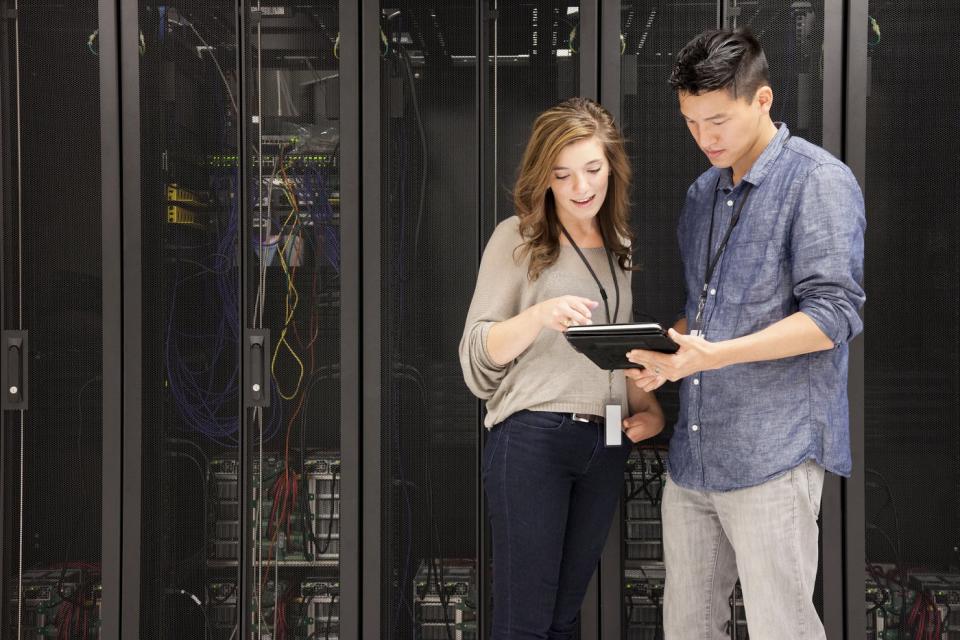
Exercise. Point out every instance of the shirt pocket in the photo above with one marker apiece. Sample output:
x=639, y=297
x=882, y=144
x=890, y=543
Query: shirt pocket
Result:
x=752, y=271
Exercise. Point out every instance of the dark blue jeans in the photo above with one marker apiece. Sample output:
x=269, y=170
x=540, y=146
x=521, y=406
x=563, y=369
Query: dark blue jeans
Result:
x=552, y=489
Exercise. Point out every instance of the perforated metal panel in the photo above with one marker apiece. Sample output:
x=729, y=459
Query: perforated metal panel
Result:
x=536, y=66
x=912, y=315
x=429, y=223
x=191, y=319
x=293, y=286
x=52, y=288
x=791, y=33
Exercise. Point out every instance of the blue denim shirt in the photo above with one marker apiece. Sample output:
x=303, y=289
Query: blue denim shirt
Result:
x=798, y=246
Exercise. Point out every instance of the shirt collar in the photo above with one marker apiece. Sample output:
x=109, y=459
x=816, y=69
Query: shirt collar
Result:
x=761, y=167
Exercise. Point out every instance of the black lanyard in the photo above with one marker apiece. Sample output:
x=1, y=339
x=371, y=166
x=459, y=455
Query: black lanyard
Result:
x=613, y=273
x=712, y=262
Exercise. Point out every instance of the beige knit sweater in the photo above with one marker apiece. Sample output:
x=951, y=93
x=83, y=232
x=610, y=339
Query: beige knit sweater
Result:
x=549, y=375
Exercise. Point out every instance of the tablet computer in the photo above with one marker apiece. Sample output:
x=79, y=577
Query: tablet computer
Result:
x=607, y=344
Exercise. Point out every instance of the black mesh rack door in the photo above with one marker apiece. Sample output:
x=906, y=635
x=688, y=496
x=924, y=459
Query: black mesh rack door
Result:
x=52, y=308
x=428, y=239
x=294, y=470
x=189, y=234
x=912, y=323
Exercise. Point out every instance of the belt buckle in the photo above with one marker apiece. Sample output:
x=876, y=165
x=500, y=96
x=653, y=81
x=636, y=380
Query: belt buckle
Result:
x=581, y=417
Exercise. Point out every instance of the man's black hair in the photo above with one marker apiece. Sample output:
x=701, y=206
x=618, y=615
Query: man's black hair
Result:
x=730, y=59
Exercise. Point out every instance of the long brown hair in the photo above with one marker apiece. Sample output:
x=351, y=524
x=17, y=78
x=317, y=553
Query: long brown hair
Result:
x=570, y=121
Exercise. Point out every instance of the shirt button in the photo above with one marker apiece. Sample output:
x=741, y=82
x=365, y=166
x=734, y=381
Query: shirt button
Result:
x=713, y=292
x=729, y=203
x=695, y=427
x=696, y=382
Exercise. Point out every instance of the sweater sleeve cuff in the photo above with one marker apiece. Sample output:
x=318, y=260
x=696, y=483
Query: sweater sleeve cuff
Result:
x=480, y=352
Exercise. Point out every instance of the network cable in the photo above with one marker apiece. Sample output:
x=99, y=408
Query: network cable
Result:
x=176, y=18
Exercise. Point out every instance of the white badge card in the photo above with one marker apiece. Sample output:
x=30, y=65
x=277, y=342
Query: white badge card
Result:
x=614, y=423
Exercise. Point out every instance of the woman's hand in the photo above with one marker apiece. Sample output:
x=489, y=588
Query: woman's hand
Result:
x=506, y=340
x=565, y=311
x=644, y=424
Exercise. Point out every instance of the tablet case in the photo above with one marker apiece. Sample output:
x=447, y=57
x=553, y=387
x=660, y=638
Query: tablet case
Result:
x=607, y=344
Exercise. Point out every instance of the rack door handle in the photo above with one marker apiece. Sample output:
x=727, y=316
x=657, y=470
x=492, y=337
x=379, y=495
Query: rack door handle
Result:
x=15, y=355
x=256, y=389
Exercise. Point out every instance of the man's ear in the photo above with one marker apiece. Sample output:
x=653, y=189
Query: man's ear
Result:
x=765, y=98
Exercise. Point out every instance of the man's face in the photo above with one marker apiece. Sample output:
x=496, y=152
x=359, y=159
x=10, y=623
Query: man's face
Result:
x=724, y=128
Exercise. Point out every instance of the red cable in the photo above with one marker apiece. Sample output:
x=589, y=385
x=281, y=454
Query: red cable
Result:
x=914, y=612
x=914, y=619
x=296, y=494
x=937, y=620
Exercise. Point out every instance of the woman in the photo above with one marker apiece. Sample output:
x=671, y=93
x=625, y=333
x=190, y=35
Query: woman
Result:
x=552, y=485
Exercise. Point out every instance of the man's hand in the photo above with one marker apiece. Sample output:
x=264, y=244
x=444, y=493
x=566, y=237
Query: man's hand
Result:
x=644, y=424
x=695, y=355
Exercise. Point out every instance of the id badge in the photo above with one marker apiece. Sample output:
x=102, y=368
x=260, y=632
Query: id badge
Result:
x=697, y=328
x=613, y=425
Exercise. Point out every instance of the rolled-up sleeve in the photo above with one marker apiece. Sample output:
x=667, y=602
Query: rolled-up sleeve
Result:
x=495, y=298
x=827, y=251
x=481, y=374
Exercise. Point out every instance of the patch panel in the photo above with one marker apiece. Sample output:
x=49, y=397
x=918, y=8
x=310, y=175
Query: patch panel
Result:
x=643, y=599
x=310, y=534
x=319, y=600
x=57, y=603
x=644, y=478
x=445, y=606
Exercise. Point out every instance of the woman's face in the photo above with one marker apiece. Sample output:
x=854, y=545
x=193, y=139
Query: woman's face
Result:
x=579, y=180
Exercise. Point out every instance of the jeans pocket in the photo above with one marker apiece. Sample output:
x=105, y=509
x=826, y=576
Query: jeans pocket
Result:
x=490, y=448
x=542, y=420
x=814, y=476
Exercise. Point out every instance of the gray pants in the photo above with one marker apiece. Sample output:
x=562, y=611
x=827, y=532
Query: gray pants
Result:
x=766, y=535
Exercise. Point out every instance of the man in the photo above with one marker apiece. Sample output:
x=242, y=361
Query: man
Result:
x=772, y=243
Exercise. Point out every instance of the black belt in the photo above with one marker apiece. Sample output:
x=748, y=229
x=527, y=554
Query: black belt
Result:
x=587, y=417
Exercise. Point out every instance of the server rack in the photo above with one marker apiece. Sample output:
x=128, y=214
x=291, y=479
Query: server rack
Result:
x=244, y=228
x=910, y=379
x=58, y=218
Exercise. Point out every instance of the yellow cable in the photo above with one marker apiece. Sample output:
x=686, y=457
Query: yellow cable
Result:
x=292, y=298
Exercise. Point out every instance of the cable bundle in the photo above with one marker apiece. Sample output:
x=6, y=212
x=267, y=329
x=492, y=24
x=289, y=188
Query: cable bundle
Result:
x=925, y=619
x=73, y=615
x=650, y=485
x=207, y=404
